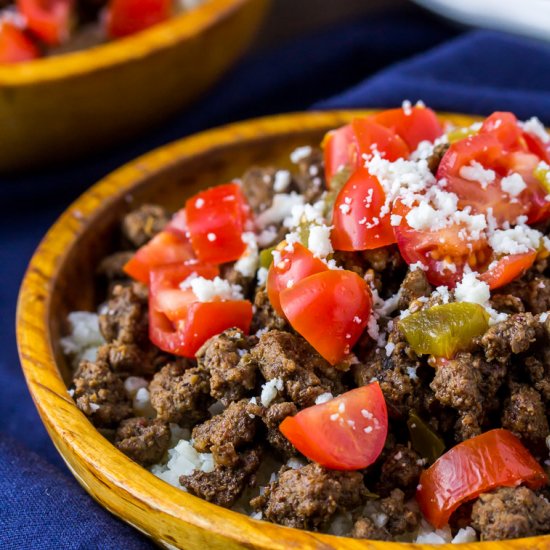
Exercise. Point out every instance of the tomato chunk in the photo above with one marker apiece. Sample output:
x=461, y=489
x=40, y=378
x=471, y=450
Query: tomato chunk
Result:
x=357, y=215
x=478, y=465
x=413, y=125
x=49, y=20
x=346, y=433
x=178, y=322
x=330, y=310
x=508, y=268
x=293, y=266
x=339, y=151
x=125, y=17
x=216, y=219
x=15, y=45
x=167, y=247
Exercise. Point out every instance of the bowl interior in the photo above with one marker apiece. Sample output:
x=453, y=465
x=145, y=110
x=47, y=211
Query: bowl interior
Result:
x=60, y=279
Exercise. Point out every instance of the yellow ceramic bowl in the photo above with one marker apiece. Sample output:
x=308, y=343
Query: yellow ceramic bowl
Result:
x=56, y=108
x=60, y=279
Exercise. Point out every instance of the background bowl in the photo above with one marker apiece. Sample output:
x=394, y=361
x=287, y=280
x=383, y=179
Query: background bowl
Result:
x=60, y=279
x=60, y=107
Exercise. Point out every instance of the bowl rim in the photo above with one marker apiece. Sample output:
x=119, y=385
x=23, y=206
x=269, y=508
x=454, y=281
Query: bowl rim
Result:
x=71, y=428
x=161, y=36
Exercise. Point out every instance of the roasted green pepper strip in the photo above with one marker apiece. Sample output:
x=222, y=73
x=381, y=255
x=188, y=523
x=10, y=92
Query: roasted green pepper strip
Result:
x=460, y=133
x=266, y=257
x=542, y=173
x=444, y=330
x=424, y=440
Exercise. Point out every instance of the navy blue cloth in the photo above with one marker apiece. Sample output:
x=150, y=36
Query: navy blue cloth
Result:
x=374, y=62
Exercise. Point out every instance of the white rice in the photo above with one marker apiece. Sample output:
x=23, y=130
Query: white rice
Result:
x=84, y=338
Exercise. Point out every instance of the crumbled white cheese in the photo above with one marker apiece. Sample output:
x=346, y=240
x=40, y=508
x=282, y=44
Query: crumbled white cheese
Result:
x=269, y=391
x=395, y=220
x=475, y=172
x=323, y=398
x=471, y=289
x=261, y=276
x=418, y=265
x=390, y=346
x=513, y=184
x=465, y=534
x=248, y=262
x=543, y=317
x=282, y=181
x=207, y=290
x=535, y=127
x=407, y=107
x=280, y=208
x=516, y=240
x=267, y=237
x=319, y=241
x=300, y=153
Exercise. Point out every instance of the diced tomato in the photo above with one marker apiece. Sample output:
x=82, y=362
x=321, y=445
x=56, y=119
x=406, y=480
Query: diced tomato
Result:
x=180, y=324
x=372, y=136
x=357, y=216
x=435, y=248
x=15, y=45
x=167, y=247
x=346, y=433
x=330, y=310
x=537, y=147
x=413, y=125
x=478, y=465
x=293, y=266
x=178, y=223
x=49, y=20
x=508, y=268
x=216, y=220
x=125, y=17
x=339, y=151
x=346, y=146
x=504, y=126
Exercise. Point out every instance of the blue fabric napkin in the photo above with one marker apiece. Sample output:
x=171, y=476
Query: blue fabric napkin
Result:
x=374, y=62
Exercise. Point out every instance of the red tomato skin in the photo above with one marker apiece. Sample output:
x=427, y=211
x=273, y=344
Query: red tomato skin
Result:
x=215, y=221
x=339, y=150
x=203, y=320
x=348, y=233
x=178, y=223
x=504, y=126
x=370, y=135
x=15, y=46
x=420, y=125
x=49, y=20
x=508, y=268
x=126, y=17
x=478, y=465
x=537, y=147
x=293, y=266
x=330, y=310
x=336, y=444
x=167, y=247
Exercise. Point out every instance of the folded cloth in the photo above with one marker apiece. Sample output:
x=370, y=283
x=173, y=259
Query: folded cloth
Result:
x=42, y=506
x=478, y=72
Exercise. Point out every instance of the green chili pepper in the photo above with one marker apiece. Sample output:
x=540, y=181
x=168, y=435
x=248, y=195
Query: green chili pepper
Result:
x=266, y=257
x=424, y=440
x=460, y=133
x=542, y=173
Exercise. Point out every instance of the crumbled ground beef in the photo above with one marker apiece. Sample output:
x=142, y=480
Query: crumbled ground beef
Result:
x=308, y=497
x=305, y=374
x=401, y=519
x=257, y=186
x=538, y=370
x=401, y=470
x=226, y=358
x=143, y=440
x=507, y=303
x=435, y=158
x=272, y=418
x=514, y=335
x=310, y=181
x=131, y=359
x=366, y=528
x=509, y=513
x=225, y=484
x=414, y=286
x=534, y=293
x=111, y=267
x=141, y=225
x=180, y=394
x=100, y=394
x=265, y=316
x=125, y=319
x=524, y=414
x=227, y=432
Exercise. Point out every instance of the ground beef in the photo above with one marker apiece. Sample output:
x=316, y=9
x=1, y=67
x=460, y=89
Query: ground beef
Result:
x=257, y=186
x=401, y=519
x=126, y=318
x=507, y=303
x=305, y=374
x=141, y=225
x=509, y=513
x=538, y=370
x=365, y=528
x=435, y=158
x=100, y=394
x=224, y=434
x=235, y=277
x=514, y=335
x=534, y=293
x=131, y=359
x=144, y=441
x=226, y=358
x=525, y=414
x=224, y=485
x=265, y=316
x=414, y=285
x=310, y=180
x=272, y=418
x=400, y=470
x=180, y=394
x=308, y=497
x=111, y=266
